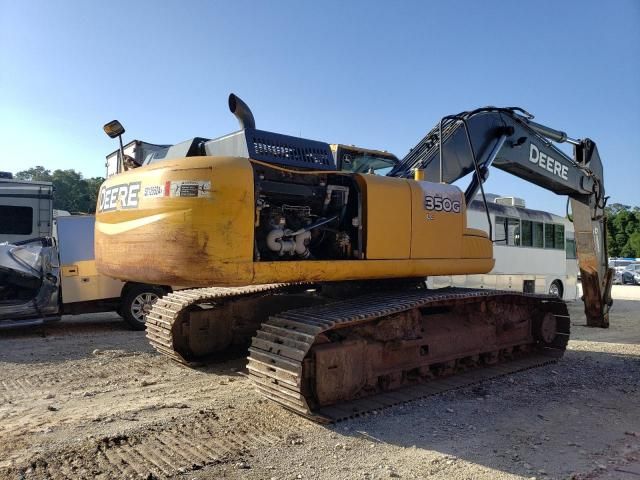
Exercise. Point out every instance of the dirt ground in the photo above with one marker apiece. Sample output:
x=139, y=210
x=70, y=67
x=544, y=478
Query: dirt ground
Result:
x=87, y=398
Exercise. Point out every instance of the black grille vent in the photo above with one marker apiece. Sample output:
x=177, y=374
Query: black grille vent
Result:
x=274, y=148
x=289, y=151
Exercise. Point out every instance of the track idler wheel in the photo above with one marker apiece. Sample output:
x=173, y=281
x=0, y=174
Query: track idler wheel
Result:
x=544, y=329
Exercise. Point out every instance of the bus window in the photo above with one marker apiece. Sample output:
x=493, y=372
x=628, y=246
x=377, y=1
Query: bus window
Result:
x=500, y=231
x=548, y=235
x=558, y=242
x=507, y=231
x=538, y=235
x=513, y=229
x=571, y=248
x=527, y=233
x=554, y=236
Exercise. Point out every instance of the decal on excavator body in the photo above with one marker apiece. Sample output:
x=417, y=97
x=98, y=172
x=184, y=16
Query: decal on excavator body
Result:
x=127, y=195
x=119, y=196
x=441, y=198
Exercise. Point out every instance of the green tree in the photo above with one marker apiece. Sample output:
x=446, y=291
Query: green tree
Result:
x=35, y=174
x=93, y=187
x=71, y=191
x=623, y=230
x=620, y=241
x=614, y=208
x=632, y=225
x=611, y=244
x=634, y=244
x=612, y=231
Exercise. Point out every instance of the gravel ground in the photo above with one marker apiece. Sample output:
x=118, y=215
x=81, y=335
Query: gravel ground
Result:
x=86, y=398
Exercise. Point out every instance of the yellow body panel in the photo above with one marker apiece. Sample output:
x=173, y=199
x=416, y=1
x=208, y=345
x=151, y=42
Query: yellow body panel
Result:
x=436, y=234
x=336, y=270
x=387, y=221
x=181, y=240
x=205, y=235
x=476, y=246
x=81, y=282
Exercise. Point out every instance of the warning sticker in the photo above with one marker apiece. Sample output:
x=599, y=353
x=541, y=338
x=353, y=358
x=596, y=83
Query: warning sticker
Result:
x=188, y=188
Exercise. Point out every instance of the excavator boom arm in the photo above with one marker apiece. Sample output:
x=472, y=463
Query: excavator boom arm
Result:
x=508, y=139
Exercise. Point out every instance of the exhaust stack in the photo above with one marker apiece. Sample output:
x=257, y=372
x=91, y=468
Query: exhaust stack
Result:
x=242, y=112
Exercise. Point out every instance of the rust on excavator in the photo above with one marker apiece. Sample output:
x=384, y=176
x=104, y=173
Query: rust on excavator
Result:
x=371, y=351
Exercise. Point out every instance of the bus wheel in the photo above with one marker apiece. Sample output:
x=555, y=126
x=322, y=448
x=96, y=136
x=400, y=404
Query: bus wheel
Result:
x=555, y=288
x=137, y=302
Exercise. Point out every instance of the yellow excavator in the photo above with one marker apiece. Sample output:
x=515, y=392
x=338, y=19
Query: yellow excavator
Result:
x=315, y=256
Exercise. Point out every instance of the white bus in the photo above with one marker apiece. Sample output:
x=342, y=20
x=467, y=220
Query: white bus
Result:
x=534, y=250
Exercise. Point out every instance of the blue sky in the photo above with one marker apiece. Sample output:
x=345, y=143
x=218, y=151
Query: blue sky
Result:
x=375, y=74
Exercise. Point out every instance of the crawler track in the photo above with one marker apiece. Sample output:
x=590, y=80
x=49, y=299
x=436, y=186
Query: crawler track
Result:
x=168, y=323
x=282, y=355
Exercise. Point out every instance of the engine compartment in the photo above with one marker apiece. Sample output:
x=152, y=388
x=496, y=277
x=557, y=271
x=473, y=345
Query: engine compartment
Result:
x=306, y=216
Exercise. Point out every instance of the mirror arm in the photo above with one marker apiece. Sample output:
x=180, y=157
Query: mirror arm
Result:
x=121, y=159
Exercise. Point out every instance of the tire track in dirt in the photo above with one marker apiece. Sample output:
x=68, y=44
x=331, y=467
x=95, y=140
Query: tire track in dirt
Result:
x=51, y=377
x=112, y=368
x=154, y=452
x=11, y=389
x=122, y=403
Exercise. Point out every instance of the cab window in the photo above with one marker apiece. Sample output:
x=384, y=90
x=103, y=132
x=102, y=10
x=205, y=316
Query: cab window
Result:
x=366, y=163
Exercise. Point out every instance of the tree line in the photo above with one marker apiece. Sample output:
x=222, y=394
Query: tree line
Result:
x=623, y=230
x=73, y=192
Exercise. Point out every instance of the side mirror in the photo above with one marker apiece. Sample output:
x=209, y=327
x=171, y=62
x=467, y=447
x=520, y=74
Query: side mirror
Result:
x=114, y=129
